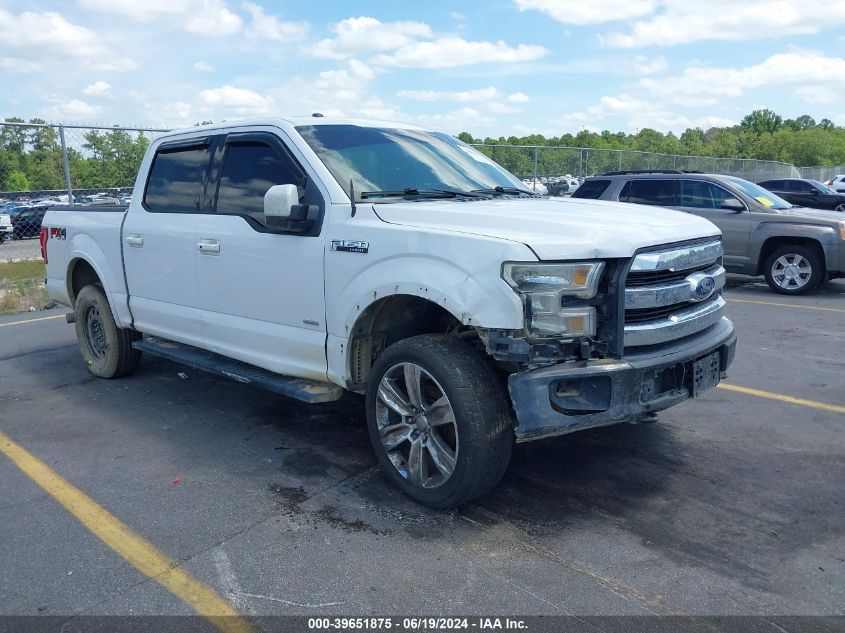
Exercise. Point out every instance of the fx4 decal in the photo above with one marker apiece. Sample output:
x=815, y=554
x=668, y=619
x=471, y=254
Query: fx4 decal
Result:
x=57, y=233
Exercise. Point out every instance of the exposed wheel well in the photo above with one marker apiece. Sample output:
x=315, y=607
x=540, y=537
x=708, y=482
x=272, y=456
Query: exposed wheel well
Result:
x=773, y=243
x=82, y=274
x=392, y=319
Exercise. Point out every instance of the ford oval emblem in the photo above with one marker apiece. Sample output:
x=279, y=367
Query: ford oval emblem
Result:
x=704, y=288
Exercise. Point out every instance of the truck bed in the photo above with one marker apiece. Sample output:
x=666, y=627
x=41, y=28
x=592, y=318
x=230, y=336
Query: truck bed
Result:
x=90, y=233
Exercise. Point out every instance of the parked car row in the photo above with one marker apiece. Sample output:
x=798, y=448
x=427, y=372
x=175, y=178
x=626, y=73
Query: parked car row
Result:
x=21, y=218
x=553, y=185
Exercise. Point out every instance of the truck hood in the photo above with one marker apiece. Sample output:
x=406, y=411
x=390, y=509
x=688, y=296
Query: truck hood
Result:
x=555, y=229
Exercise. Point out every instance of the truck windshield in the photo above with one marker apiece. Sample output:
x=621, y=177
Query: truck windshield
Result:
x=763, y=196
x=393, y=160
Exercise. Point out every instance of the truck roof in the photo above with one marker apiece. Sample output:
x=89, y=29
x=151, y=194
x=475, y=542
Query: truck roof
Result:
x=293, y=121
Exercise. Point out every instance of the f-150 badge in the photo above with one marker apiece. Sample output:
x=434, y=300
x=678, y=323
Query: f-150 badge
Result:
x=350, y=246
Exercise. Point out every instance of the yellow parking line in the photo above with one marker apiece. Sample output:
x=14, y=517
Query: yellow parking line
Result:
x=785, y=305
x=824, y=406
x=140, y=553
x=57, y=316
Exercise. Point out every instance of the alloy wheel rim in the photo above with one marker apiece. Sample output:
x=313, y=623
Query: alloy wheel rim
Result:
x=416, y=425
x=791, y=271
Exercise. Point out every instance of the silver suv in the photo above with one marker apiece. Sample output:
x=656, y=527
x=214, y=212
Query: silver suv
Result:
x=795, y=248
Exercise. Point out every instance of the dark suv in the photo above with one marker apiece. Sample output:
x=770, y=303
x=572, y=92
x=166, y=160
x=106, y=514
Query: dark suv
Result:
x=806, y=193
x=795, y=248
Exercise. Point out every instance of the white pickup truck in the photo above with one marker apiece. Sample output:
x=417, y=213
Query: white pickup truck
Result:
x=312, y=255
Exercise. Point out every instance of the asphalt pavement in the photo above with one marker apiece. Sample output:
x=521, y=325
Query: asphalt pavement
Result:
x=731, y=504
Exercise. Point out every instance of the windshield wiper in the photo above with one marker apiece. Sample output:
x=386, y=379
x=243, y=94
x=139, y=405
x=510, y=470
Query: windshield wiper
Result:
x=418, y=193
x=505, y=190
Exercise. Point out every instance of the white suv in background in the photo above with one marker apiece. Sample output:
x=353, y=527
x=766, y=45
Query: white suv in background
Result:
x=837, y=183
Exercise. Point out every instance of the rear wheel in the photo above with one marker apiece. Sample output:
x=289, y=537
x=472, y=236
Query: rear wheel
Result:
x=439, y=420
x=840, y=207
x=106, y=348
x=793, y=270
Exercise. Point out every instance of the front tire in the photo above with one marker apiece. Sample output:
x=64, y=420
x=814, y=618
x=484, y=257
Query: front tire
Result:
x=106, y=348
x=439, y=420
x=793, y=270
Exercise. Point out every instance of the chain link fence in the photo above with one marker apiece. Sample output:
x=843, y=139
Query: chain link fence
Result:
x=44, y=165
x=822, y=173
x=544, y=164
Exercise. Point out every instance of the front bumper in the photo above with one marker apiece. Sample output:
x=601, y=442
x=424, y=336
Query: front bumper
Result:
x=573, y=396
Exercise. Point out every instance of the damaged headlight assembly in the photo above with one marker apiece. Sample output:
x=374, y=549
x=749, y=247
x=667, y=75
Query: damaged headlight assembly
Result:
x=543, y=287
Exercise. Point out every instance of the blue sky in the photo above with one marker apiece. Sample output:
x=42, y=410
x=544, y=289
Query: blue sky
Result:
x=492, y=68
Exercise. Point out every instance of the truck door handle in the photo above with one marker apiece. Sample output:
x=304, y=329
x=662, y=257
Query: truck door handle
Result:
x=209, y=247
x=135, y=240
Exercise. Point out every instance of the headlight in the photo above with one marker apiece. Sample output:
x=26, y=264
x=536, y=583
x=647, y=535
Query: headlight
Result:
x=543, y=287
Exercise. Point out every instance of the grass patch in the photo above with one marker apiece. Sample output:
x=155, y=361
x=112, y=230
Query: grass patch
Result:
x=30, y=269
x=22, y=286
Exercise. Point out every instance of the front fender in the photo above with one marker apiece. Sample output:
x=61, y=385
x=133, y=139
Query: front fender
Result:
x=454, y=288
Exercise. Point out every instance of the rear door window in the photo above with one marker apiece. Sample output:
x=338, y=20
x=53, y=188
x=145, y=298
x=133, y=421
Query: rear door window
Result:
x=176, y=180
x=700, y=194
x=661, y=193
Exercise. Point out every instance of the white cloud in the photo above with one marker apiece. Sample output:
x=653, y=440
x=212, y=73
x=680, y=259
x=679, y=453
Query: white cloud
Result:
x=480, y=94
x=682, y=21
x=502, y=108
x=354, y=36
x=581, y=13
x=204, y=67
x=491, y=98
x=642, y=65
x=455, y=15
x=42, y=39
x=97, y=89
x=73, y=110
x=809, y=73
x=203, y=17
x=269, y=27
x=635, y=113
x=227, y=102
x=449, y=52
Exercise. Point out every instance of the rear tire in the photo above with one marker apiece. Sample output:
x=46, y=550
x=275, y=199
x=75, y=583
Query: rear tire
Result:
x=106, y=348
x=449, y=440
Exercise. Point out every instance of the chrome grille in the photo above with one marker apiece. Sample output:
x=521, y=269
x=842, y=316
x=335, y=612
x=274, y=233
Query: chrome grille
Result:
x=673, y=293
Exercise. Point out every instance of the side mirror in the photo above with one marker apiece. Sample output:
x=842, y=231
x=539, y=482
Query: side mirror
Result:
x=279, y=200
x=733, y=204
x=814, y=192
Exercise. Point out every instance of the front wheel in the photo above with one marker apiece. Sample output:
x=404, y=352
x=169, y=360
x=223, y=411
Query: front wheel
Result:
x=439, y=420
x=793, y=270
x=106, y=348
x=840, y=207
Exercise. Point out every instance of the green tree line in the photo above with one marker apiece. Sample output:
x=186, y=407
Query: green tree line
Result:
x=762, y=135
x=31, y=157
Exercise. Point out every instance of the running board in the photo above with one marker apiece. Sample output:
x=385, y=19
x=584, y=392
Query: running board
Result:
x=299, y=388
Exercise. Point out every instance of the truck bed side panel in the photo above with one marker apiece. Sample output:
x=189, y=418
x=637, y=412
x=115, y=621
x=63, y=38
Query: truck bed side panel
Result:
x=91, y=234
